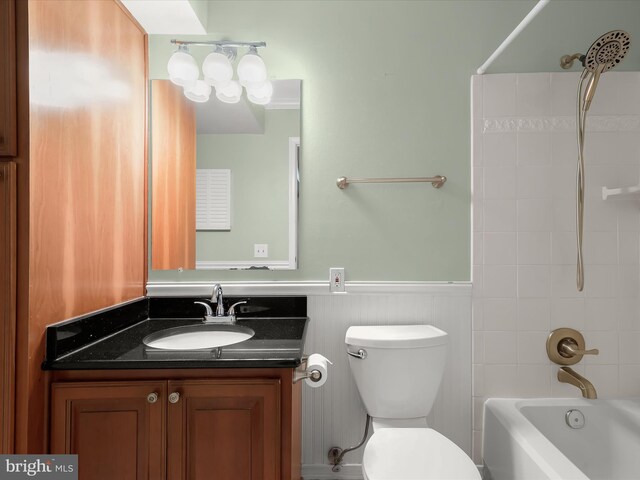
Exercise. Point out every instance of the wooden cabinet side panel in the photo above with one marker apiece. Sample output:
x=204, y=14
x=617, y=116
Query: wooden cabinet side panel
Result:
x=291, y=427
x=84, y=185
x=8, y=238
x=8, y=113
x=87, y=158
x=173, y=178
x=112, y=427
x=238, y=421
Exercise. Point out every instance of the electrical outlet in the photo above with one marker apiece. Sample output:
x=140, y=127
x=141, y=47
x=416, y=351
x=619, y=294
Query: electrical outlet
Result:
x=336, y=279
x=260, y=250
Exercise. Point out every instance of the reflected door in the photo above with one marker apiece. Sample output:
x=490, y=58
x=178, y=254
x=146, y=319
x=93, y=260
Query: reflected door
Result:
x=173, y=178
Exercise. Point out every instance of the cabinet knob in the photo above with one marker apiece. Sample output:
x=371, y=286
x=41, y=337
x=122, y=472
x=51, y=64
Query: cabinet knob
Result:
x=152, y=397
x=174, y=397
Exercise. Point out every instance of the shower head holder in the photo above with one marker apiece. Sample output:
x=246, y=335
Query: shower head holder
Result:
x=566, y=61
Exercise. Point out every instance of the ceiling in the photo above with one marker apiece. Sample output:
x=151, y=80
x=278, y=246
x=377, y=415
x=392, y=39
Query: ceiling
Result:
x=170, y=17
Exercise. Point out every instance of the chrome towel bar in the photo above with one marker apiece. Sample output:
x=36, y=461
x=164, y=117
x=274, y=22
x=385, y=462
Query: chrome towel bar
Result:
x=436, y=182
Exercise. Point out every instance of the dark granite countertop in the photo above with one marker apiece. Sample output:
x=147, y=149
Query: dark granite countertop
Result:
x=112, y=339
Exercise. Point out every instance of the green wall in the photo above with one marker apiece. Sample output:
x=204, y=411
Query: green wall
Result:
x=259, y=165
x=386, y=93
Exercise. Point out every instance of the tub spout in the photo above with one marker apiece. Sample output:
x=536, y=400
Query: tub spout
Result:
x=569, y=375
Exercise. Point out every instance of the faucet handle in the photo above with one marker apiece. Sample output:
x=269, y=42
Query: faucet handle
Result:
x=566, y=346
x=232, y=308
x=208, y=310
x=570, y=348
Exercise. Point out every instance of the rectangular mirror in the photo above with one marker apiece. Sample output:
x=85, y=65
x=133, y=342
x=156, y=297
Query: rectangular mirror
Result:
x=224, y=180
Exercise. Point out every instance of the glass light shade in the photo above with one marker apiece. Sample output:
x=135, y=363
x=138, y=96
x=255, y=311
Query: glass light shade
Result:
x=217, y=68
x=199, y=91
x=229, y=93
x=251, y=68
x=182, y=68
x=260, y=94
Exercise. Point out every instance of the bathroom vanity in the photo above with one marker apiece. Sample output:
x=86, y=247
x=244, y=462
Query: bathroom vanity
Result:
x=130, y=411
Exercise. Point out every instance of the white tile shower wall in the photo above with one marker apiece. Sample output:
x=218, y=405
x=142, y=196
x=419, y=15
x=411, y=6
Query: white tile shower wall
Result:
x=524, y=159
x=333, y=415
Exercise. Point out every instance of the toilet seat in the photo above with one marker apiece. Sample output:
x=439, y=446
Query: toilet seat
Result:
x=415, y=454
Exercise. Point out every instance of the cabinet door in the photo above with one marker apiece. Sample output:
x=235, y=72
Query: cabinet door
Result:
x=224, y=430
x=8, y=116
x=115, y=428
x=7, y=303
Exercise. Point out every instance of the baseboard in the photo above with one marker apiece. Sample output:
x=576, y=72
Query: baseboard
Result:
x=347, y=472
x=323, y=472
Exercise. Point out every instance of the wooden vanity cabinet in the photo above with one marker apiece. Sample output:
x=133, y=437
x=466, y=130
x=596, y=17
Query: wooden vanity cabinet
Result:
x=227, y=430
x=113, y=427
x=8, y=116
x=224, y=428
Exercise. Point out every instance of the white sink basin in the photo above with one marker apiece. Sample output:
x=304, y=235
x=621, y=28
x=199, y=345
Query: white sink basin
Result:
x=198, y=337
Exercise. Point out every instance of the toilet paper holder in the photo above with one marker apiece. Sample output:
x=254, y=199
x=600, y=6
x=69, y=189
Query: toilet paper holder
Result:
x=301, y=372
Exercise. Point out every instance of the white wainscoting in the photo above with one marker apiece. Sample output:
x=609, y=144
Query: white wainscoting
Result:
x=333, y=415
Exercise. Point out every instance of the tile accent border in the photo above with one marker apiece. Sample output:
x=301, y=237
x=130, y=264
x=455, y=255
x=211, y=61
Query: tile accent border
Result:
x=596, y=123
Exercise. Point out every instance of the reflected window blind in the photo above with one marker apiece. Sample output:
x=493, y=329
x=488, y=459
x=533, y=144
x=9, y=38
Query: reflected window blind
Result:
x=213, y=199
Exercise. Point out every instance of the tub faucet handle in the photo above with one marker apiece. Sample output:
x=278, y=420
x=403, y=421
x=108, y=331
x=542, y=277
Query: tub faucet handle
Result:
x=570, y=348
x=566, y=346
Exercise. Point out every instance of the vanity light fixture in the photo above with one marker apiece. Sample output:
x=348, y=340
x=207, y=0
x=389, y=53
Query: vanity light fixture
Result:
x=182, y=67
x=198, y=91
x=217, y=71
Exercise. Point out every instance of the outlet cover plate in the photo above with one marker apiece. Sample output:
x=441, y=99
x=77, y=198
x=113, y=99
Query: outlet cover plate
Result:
x=260, y=250
x=336, y=279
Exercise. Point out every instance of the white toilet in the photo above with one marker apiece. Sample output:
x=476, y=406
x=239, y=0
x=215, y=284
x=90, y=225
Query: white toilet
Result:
x=398, y=370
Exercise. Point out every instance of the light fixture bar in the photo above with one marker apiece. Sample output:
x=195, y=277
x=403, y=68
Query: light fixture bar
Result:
x=222, y=43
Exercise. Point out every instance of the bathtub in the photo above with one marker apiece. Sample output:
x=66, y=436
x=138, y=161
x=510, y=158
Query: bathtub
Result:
x=529, y=439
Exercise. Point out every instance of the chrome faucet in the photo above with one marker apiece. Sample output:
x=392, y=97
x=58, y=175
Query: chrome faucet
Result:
x=569, y=375
x=220, y=316
x=216, y=297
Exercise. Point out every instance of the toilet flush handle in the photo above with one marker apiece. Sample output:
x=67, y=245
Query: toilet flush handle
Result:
x=361, y=354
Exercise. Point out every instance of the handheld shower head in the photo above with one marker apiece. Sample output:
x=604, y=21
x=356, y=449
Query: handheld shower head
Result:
x=608, y=50
x=605, y=53
x=590, y=91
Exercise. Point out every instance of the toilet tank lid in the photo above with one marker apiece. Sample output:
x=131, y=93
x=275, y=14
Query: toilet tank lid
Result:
x=395, y=336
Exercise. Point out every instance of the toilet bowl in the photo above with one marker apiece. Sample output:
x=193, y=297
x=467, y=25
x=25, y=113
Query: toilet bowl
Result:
x=415, y=454
x=398, y=370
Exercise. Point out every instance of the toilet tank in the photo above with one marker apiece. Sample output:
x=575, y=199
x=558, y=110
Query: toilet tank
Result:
x=402, y=371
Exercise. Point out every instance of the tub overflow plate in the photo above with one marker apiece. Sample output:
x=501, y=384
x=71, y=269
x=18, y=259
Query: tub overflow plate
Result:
x=574, y=418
